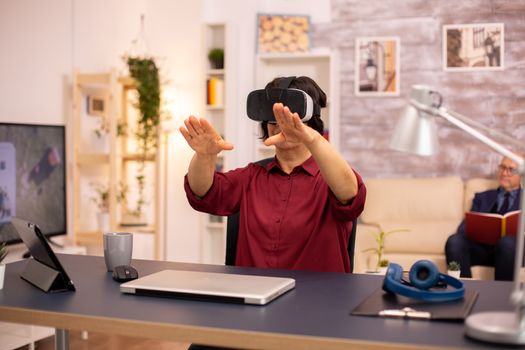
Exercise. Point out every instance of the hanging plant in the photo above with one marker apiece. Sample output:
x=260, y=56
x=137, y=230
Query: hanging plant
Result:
x=146, y=75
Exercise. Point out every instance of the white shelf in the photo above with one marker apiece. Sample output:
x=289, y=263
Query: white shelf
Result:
x=214, y=108
x=320, y=65
x=215, y=226
x=294, y=56
x=214, y=232
x=215, y=72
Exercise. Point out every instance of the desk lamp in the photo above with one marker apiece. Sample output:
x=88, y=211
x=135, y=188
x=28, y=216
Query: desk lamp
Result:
x=416, y=133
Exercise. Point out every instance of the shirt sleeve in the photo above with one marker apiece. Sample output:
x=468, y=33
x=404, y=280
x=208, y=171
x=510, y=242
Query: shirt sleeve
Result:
x=224, y=196
x=351, y=210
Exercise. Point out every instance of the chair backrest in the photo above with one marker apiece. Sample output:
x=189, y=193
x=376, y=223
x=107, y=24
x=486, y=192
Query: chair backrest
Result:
x=232, y=233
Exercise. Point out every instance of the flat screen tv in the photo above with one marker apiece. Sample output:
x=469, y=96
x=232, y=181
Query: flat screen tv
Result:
x=32, y=178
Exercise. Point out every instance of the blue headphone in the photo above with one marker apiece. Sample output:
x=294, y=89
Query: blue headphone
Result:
x=423, y=275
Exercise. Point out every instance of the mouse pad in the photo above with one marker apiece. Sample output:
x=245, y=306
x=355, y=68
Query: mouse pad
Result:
x=381, y=303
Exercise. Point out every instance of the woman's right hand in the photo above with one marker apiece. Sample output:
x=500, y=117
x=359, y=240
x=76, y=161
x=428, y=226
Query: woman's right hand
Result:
x=202, y=137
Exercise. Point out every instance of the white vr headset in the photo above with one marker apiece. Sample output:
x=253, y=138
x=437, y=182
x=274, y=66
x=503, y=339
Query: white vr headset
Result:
x=259, y=105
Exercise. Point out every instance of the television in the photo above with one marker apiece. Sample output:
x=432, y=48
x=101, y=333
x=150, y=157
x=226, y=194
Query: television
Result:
x=32, y=178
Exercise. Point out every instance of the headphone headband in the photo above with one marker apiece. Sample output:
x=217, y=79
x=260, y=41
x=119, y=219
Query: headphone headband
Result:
x=423, y=276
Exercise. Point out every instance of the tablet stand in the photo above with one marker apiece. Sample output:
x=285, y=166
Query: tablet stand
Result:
x=44, y=277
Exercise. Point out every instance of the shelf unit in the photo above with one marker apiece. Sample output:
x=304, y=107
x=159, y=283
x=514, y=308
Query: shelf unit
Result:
x=320, y=65
x=214, y=227
x=110, y=160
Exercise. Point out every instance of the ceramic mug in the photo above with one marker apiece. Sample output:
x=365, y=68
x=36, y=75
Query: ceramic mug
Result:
x=118, y=248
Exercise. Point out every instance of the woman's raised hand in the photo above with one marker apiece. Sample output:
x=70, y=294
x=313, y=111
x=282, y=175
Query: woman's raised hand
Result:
x=202, y=137
x=292, y=128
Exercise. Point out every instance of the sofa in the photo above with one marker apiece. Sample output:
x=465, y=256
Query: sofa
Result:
x=430, y=209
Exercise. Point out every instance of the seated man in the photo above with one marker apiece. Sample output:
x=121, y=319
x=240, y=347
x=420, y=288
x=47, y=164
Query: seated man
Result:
x=501, y=200
x=295, y=212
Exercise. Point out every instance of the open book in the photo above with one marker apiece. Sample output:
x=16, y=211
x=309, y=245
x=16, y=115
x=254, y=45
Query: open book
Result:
x=487, y=228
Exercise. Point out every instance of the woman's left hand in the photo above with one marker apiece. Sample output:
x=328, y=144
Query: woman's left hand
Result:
x=293, y=130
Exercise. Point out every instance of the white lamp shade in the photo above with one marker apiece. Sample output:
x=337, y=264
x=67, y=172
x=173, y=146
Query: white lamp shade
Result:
x=415, y=132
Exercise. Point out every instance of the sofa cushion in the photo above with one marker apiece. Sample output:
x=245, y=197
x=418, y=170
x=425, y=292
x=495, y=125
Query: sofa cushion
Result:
x=405, y=200
x=474, y=186
x=422, y=237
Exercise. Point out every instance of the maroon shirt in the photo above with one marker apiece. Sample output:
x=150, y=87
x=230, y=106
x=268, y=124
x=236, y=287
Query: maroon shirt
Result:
x=286, y=221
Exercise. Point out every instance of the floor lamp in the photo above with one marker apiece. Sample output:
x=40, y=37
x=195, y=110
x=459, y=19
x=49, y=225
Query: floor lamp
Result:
x=416, y=133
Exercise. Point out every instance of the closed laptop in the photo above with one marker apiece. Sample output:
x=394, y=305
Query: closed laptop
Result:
x=247, y=289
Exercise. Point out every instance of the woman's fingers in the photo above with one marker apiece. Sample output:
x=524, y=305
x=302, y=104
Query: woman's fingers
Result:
x=275, y=139
x=224, y=145
x=185, y=133
x=190, y=126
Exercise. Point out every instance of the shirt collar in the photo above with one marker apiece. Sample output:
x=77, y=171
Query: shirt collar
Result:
x=513, y=194
x=310, y=166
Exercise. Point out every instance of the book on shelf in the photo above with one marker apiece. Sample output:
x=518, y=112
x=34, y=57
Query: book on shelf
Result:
x=215, y=91
x=487, y=228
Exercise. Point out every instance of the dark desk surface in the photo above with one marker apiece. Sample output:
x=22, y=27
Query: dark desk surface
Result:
x=315, y=315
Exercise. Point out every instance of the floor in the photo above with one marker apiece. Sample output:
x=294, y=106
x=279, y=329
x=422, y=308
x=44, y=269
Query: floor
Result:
x=103, y=341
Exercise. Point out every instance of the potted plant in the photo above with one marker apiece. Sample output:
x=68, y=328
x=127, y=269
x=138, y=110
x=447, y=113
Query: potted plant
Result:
x=454, y=268
x=3, y=254
x=101, y=199
x=145, y=72
x=216, y=58
x=383, y=265
x=380, y=249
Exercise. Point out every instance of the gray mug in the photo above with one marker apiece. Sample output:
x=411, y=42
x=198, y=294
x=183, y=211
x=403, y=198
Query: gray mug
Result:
x=118, y=248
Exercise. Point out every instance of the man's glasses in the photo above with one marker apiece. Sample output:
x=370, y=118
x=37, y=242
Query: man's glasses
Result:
x=511, y=171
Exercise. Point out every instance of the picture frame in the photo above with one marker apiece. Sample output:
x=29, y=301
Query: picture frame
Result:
x=96, y=105
x=283, y=33
x=468, y=47
x=377, y=66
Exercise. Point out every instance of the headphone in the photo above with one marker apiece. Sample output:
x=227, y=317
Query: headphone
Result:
x=423, y=275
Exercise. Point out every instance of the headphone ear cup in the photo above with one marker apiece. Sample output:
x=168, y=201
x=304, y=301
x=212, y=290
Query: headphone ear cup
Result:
x=392, y=280
x=396, y=272
x=424, y=274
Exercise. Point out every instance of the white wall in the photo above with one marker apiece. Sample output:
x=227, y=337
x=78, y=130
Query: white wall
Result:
x=43, y=42
x=35, y=46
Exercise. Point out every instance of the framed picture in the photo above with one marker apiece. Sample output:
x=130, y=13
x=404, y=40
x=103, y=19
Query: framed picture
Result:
x=377, y=66
x=96, y=106
x=473, y=47
x=283, y=33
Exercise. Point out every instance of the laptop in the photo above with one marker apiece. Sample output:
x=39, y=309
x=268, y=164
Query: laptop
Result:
x=210, y=286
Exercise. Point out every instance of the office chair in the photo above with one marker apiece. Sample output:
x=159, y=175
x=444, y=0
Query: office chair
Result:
x=232, y=232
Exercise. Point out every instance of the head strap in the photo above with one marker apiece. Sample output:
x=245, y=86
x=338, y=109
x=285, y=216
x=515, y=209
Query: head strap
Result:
x=286, y=82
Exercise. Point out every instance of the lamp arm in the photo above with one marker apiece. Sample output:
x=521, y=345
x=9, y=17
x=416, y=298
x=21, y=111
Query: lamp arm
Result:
x=443, y=113
x=499, y=134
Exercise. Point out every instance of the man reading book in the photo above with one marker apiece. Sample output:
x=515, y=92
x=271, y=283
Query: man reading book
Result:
x=501, y=254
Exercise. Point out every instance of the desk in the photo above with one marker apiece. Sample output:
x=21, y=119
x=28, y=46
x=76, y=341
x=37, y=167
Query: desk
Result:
x=315, y=315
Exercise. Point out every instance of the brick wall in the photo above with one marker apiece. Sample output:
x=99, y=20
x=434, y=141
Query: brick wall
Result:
x=493, y=98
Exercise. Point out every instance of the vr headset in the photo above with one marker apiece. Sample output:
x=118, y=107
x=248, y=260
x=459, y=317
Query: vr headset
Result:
x=259, y=105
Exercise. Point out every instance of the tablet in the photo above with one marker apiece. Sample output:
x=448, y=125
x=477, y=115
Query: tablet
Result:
x=44, y=269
